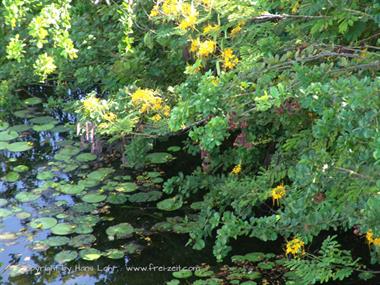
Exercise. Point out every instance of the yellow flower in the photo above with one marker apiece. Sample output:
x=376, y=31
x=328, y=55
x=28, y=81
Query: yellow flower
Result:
x=235, y=31
x=155, y=11
x=277, y=193
x=229, y=59
x=237, y=169
x=110, y=117
x=170, y=7
x=194, y=45
x=371, y=239
x=103, y=126
x=186, y=9
x=188, y=22
x=91, y=104
x=211, y=29
x=156, y=118
x=295, y=247
x=206, y=48
x=166, y=111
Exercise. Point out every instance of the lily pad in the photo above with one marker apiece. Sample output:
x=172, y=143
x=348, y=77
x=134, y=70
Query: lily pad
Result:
x=45, y=175
x=94, y=198
x=117, y=199
x=90, y=254
x=174, y=148
x=126, y=187
x=145, y=197
x=65, y=256
x=182, y=274
x=20, y=128
x=83, y=208
x=43, y=128
x=120, y=231
x=3, y=202
x=63, y=229
x=5, y=213
x=33, y=101
x=11, y=177
x=24, y=114
x=82, y=240
x=43, y=120
x=84, y=229
x=21, y=168
x=114, y=253
x=27, y=196
x=3, y=145
x=170, y=204
x=57, y=241
x=43, y=223
x=3, y=126
x=159, y=157
x=71, y=189
x=6, y=136
x=86, y=157
x=19, y=146
x=100, y=174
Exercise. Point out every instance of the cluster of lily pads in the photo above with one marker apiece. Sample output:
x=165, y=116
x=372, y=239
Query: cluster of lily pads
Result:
x=249, y=269
x=79, y=190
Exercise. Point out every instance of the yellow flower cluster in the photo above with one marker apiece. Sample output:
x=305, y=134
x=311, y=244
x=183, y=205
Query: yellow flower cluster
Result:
x=189, y=21
x=147, y=101
x=206, y=48
x=155, y=11
x=295, y=247
x=110, y=117
x=371, y=239
x=209, y=29
x=229, y=59
x=92, y=104
x=277, y=193
x=237, y=169
x=170, y=7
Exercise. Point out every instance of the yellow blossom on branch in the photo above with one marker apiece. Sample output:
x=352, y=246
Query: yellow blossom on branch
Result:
x=210, y=29
x=277, y=193
x=155, y=11
x=235, y=31
x=194, y=45
x=295, y=247
x=92, y=104
x=170, y=7
x=206, y=48
x=156, y=118
x=236, y=170
x=189, y=22
x=229, y=59
x=371, y=239
x=110, y=117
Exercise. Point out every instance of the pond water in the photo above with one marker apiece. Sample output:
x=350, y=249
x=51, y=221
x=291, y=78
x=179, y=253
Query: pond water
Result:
x=68, y=216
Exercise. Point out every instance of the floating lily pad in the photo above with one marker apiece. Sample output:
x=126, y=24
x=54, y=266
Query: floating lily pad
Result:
x=3, y=202
x=117, y=199
x=84, y=229
x=174, y=148
x=20, y=128
x=145, y=197
x=3, y=145
x=8, y=236
x=83, y=207
x=203, y=272
x=11, y=177
x=90, y=254
x=23, y=215
x=114, y=253
x=18, y=269
x=45, y=175
x=159, y=157
x=43, y=128
x=182, y=274
x=170, y=204
x=6, y=136
x=5, y=213
x=60, y=129
x=65, y=256
x=120, y=231
x=3, y=126
x=33, y=101
x=43, y=120
x=71, y=189
x=86, y=157
x=126, y=187
x=132, y=248
x=21, y=168
x=57, y=241
x=26, y=197
x=24, y=114
x=19, y=146
x=63, y=229
x=43, y=223
x=82, y=240
x=94, y=198
x=100, y=174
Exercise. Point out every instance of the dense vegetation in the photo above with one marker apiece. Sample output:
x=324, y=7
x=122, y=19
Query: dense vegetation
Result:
x=279, y=99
